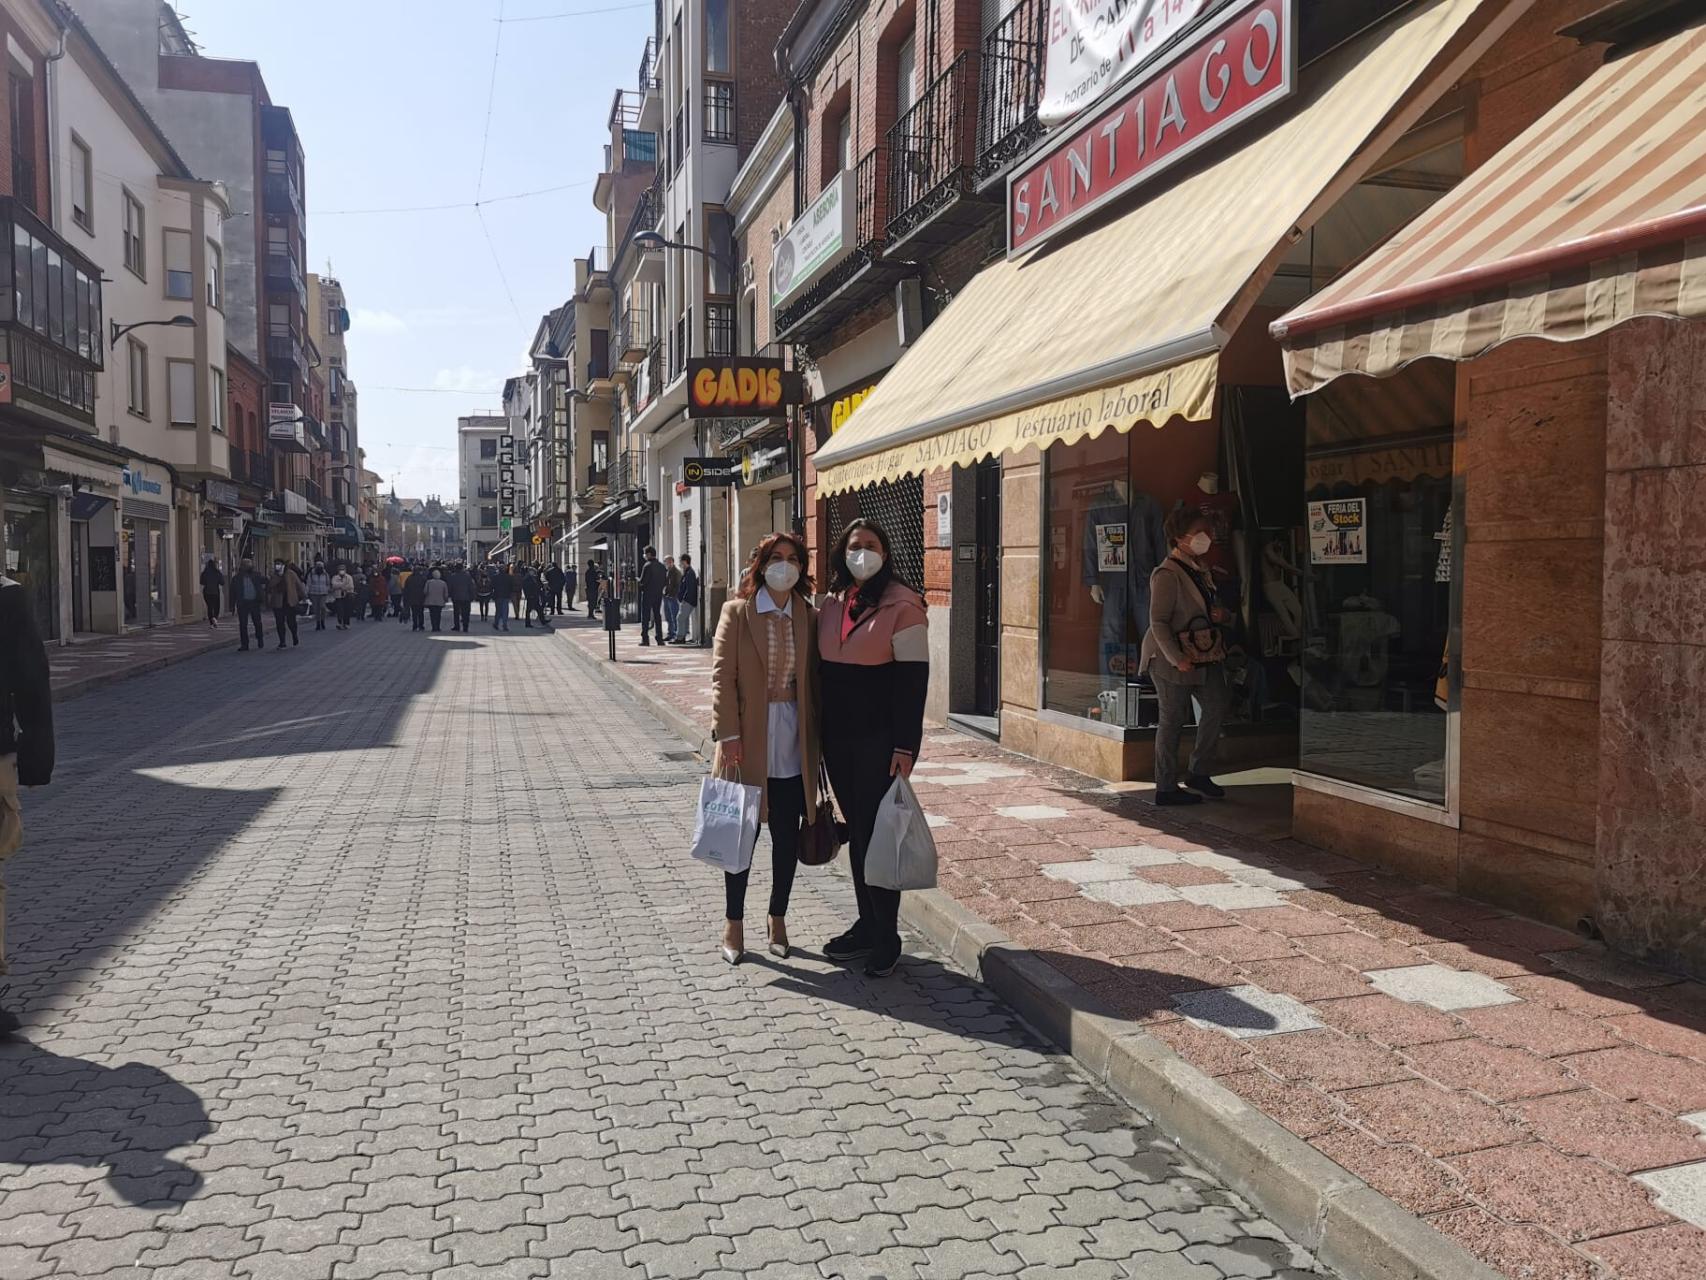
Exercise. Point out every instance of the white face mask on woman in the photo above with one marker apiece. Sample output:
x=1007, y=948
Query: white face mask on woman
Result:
x=1199, y=544
x=864, y=564
x=780, y=576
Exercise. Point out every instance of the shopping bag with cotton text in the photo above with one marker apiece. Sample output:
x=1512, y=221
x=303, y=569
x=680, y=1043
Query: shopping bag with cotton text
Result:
x=727, y=825
x=902, y=853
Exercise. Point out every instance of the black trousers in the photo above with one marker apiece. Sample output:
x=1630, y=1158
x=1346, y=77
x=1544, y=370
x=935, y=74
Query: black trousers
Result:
x=211, y=600
x=859, y=773
x=282, y=618
x=249, y=615
x=787, y=805
x=556, y=600
x=436, y=612
x=485, y=606
x=459, y=611
x=417, y=612
x=536, y=608
x=651, y=615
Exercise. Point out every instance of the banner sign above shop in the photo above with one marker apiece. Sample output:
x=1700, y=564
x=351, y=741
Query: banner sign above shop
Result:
x=820, y=237
x=1242, y=65
x=1094, y=44
x=741, y=387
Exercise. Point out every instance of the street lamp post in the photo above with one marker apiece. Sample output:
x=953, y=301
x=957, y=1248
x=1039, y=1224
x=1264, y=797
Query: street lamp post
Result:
x=176, y=322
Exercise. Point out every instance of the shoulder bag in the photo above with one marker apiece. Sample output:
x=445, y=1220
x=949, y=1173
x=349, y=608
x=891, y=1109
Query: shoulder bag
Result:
x=821, y=839
x=1201, y=641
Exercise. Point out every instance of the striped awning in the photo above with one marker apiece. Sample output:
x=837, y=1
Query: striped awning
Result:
x=1123, y=323
x=1595, y=215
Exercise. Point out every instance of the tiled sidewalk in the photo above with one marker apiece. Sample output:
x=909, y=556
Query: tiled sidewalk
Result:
x=95, y=661
x=1536, y=1098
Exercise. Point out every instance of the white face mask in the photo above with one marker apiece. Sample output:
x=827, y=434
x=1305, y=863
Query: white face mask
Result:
x=1199, y=544
x=279, y=567
x=779, y=575
x=864, y=564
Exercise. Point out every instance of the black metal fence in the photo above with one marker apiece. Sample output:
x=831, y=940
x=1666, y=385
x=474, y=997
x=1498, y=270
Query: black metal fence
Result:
x=1012, y=86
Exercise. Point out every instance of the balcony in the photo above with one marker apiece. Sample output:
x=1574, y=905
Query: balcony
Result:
x=719, y=329
x=847, y=267
x=644, y=218
x=931, y=150
x=282, y=197
x=649, y=81
x=283, y=275
x=628, y=473
x=51, y=330
x=1012, y=85
x=284, y=348
x=633, y=336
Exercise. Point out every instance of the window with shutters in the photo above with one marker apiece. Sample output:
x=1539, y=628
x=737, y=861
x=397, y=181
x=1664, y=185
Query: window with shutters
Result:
x=180, y=271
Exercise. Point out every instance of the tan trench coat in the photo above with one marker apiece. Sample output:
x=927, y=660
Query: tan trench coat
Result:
x=740, y=695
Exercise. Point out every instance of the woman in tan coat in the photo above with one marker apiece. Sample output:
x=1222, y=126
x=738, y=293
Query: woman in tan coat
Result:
x=764, y=687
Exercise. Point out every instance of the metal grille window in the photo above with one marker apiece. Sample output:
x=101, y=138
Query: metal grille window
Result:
x=719, y=329
x=899, y=507
x=719, y=111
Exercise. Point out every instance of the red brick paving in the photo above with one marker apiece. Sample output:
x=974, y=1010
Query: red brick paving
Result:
x=1511, y=1128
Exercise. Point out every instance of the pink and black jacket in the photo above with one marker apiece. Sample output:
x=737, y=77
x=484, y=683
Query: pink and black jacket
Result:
x=875, y=668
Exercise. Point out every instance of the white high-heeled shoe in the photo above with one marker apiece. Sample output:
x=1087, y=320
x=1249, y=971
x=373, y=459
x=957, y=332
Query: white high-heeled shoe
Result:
x=781, y=950
x=733, y=955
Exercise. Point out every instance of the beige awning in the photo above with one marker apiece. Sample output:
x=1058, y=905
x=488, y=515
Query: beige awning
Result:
x=1595, y=215
x=1123, y=323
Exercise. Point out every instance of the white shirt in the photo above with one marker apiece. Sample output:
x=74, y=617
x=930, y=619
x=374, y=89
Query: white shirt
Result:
x=783, y=736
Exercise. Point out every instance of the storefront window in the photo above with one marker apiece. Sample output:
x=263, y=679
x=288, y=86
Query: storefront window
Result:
x=1365, y=588
x=28, y=547
x=1106, y=500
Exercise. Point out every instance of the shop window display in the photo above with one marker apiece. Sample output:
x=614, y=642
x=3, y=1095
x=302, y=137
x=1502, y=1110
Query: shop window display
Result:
x=1362, y=594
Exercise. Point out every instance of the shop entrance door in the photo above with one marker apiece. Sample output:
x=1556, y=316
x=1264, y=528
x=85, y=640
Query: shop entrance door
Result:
x=988, y=651
x=79, y=580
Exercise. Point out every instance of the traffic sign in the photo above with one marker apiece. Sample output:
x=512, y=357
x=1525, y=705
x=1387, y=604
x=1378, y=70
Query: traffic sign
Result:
x=698, y=473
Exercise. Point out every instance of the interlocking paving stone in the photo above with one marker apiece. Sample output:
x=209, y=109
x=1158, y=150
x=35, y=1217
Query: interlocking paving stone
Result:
x=378, y=971
x=1245, y=1012
x=1681, y=1190
x=1231, y=897
x=1130, y=893
x=1440, y=988
x=1033, y=812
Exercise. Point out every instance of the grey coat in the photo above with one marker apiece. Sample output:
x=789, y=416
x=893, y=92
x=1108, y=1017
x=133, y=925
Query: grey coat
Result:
x=1175, y=605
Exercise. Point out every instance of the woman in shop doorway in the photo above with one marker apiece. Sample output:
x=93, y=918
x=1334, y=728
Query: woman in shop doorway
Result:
x=874, y=647
x=764, y=689
x=212, y=588
x=1183, y=656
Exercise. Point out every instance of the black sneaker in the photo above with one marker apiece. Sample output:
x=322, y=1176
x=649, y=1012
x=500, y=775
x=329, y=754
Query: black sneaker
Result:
x=1205, y=785
x=1176, y=796
x=9, y=1023
x=848, y=947
x=882, y=962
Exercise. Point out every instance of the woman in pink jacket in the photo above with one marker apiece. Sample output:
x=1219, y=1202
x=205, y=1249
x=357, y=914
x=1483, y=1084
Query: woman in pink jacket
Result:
x=874, y=669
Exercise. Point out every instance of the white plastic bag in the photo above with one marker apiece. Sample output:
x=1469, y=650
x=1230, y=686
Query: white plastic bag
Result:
x=727, y=825
x=902, y=853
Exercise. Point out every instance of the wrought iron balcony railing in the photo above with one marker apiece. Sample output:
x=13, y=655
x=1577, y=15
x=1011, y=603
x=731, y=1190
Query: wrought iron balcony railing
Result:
x=1012, y=82
x=930, y=147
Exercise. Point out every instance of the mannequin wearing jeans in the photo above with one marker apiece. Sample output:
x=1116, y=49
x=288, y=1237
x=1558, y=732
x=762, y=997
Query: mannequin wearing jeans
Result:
x=1123, y=542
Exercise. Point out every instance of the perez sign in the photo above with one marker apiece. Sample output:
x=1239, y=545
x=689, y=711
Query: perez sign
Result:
x=1241, y=66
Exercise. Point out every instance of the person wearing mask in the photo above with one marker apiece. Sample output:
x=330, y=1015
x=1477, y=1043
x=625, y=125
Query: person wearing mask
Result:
x=343, y=595
x=671, y=599
x=461, y=585
x=874, y=650
x=554, y=588
x=26, y=736
x=569, y=584
x=414, y=599
x=764, y=691
x=284, y=598
x=378, y=595
x=248, y=595
x=483, y=590
x=434, y=596
x=1182, y=602
x=399, y=575
x=687, y=596
x=594, y=583
x=319, y=587
x=653, y=579
x=212, y=588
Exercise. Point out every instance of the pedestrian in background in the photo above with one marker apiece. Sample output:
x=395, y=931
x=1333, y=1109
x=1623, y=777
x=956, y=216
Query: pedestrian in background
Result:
x=653, y=577
x=26, y=735
x=483, y=590
x=554, y=588
x=248, y=594
x=569, y=584
x=533, y=592
x=764, y=691
x=378, y=594
x=513, y=581
x=212, y=587
x=688, y=595
x=1182, y=599
x=284, y=598
x=319, y=587
x=399, y=593
x=671, y=597
x=874, y=650
x=414, y=598
x=500, y=600
x=593, y=595
x=434, y=596
x=343, y=595
x=461, y=585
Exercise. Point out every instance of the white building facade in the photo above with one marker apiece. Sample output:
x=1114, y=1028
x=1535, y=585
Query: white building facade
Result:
x=480, y=446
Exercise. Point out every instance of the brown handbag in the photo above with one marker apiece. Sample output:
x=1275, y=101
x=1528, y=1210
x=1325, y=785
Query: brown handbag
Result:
x=821, y=838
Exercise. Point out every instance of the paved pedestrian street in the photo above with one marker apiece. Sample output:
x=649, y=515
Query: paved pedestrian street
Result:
x=384, y=957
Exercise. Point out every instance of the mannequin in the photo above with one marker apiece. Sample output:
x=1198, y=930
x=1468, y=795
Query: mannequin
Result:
x=1281, y=598
x=1123, y=542
x=1222, y=511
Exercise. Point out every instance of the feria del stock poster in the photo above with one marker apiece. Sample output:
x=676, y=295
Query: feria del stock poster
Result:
x=1094, y=44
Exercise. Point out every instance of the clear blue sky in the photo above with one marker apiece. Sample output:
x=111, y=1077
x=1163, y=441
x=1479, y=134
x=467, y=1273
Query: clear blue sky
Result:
x=389, y=97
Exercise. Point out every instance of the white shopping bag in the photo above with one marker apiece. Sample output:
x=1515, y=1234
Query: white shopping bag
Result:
x=902, y=853
x=727, y=825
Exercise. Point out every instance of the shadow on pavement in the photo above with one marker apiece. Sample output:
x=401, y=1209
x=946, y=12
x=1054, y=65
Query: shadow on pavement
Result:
x=125, y=1119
